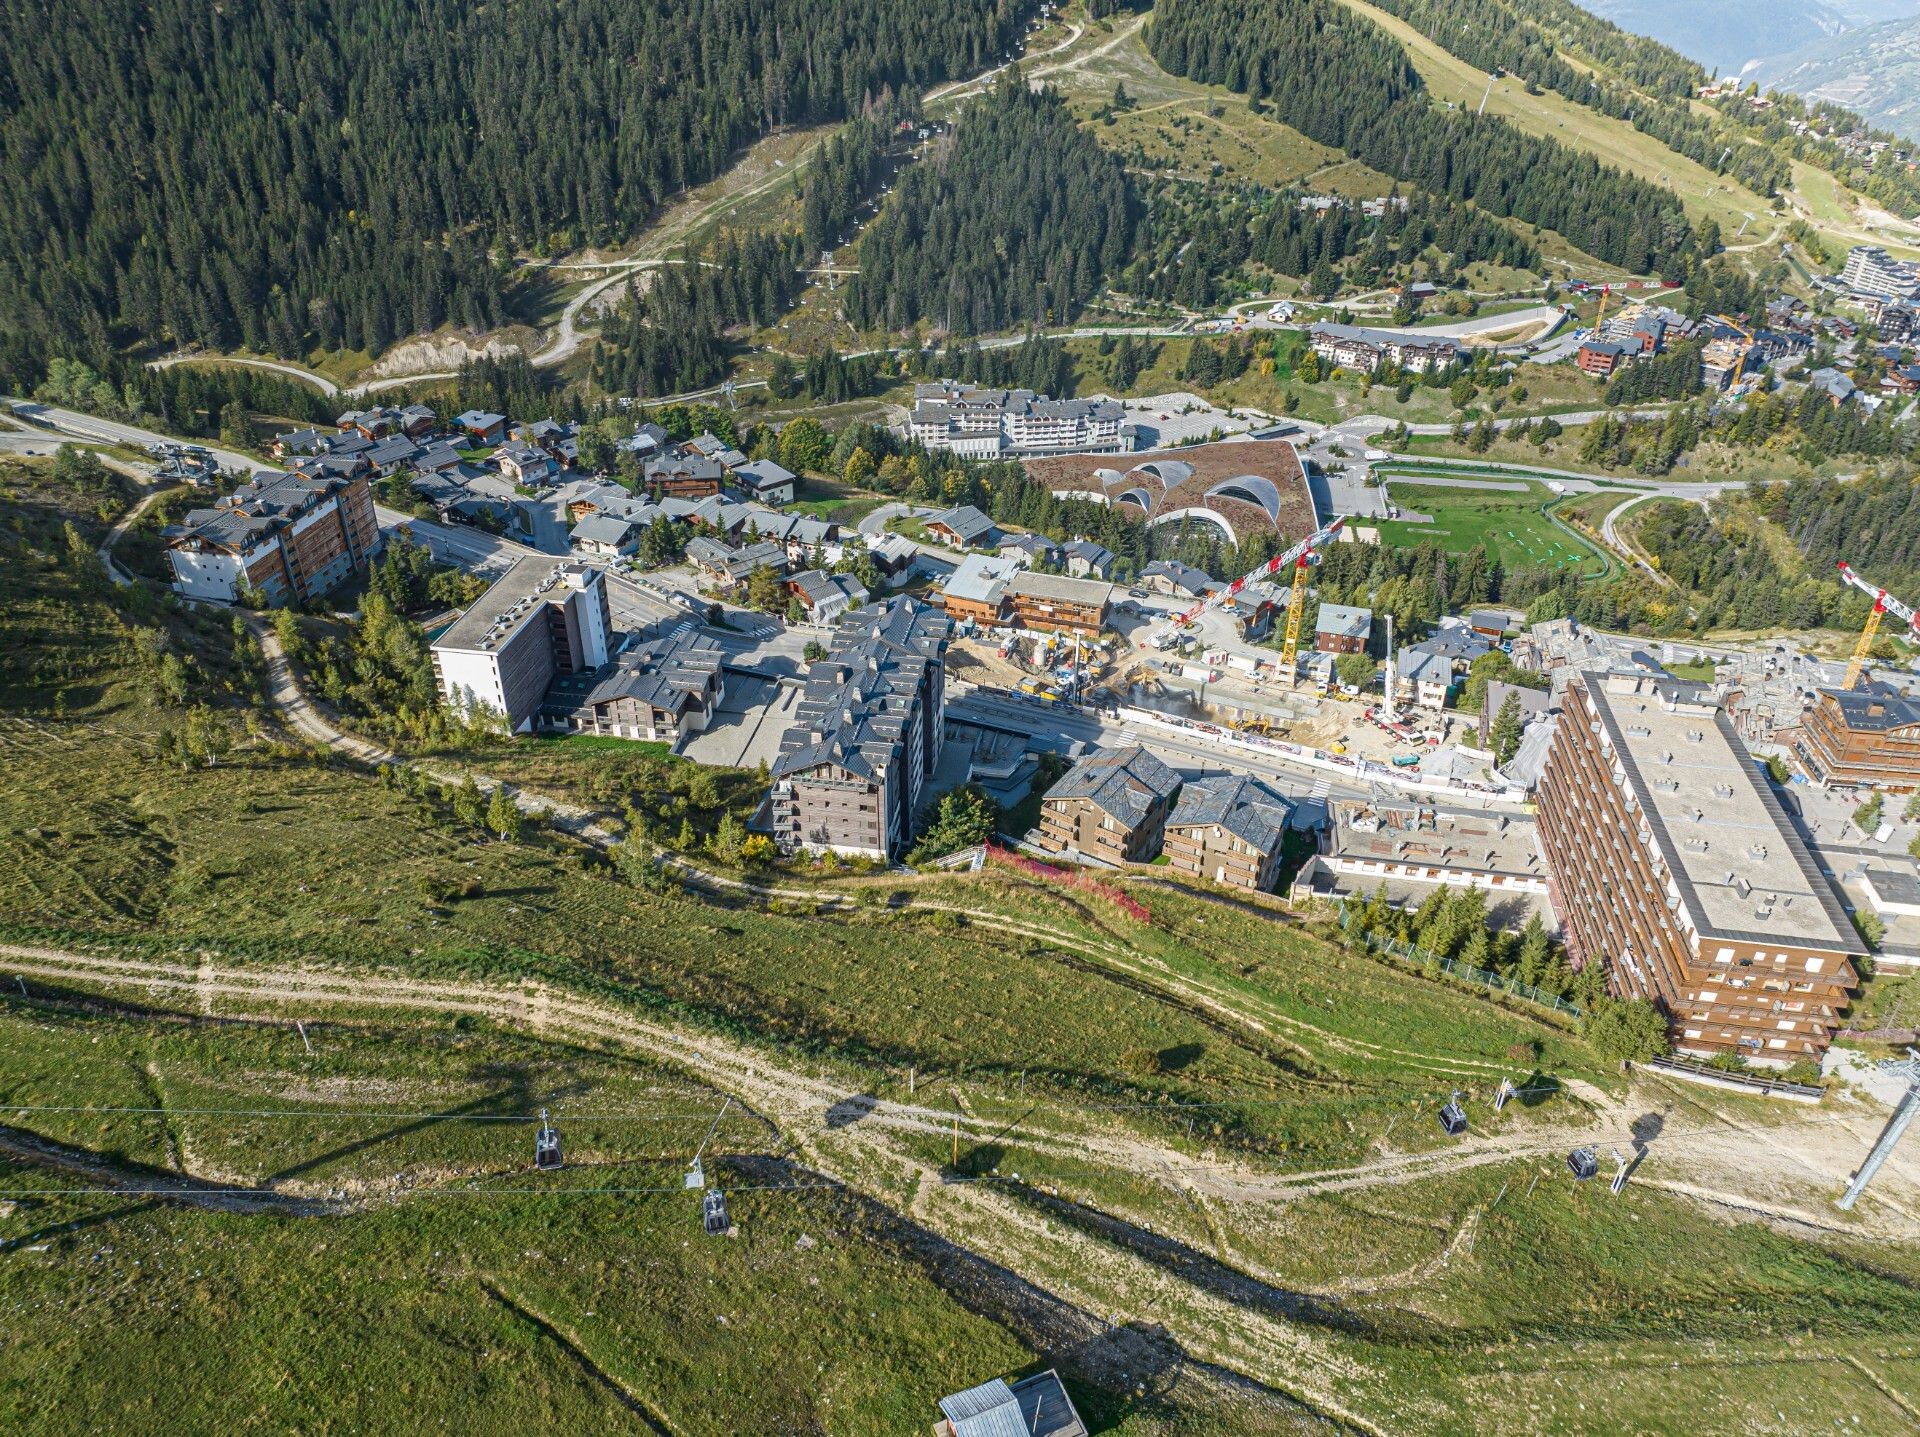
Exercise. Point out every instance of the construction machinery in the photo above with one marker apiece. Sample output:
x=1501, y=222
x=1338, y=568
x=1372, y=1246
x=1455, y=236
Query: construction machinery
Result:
x=1883, y=604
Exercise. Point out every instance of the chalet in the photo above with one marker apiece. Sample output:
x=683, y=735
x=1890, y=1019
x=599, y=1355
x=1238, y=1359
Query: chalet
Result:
x=765, y=482
x=1030, y=549
x=1491, y=624
x=1176, y=580
x=1231, y=829
x=662, y=688
x=525, y=464
x=391, y=455
x=893, y=556
x=1422, y=678
x=605, y=536
x=1831, y=382
x=435, y=458
x=1058, y=604
x=963, y=528
x=417, y=421
x=1342, y=629
x=977, y=590
x=825, y=596
x=368, y=423
x=1902, y=379
x=1088, y=560
x=1111, y=808
x=299, y=441
x=686, y=476
x=482, y=427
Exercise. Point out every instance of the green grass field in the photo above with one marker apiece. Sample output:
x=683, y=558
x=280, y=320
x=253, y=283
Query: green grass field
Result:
x=1508, y=524
x=1222, y=1125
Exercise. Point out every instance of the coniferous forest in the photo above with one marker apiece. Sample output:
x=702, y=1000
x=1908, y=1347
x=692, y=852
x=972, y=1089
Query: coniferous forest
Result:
x=281, y=174
x=1016, y=219
x=1361, y=94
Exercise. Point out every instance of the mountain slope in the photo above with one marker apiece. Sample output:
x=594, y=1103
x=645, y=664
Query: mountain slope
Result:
x=1726, y=34
x=1875, y=71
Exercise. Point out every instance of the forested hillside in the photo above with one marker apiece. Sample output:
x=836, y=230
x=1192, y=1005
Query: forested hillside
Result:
x=1361, y=94
x=281, y=174
x=1016, y=221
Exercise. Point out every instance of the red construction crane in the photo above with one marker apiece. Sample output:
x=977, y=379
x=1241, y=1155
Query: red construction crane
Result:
x=1299, y=554
x=1883, y=604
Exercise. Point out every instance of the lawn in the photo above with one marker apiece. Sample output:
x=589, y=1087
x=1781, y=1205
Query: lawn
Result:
x=1508, y=524
x=1089, y=1053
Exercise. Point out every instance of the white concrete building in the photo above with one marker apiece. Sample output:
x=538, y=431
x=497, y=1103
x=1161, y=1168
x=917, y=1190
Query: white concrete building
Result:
x=543, y=619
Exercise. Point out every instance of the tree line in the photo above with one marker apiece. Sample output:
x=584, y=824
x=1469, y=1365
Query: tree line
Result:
x=1016, y=218
x=341, y=173
x=1338, y=78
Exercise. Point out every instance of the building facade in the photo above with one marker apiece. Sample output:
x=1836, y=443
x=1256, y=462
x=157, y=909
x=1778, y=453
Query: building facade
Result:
x=542, y=620
x=1868, y=736
x=866, y=736
x=286, y=537
x=990, y=423
x=1111, y=807
x=1231, y=829
x=1674, y=866
x=662, y=688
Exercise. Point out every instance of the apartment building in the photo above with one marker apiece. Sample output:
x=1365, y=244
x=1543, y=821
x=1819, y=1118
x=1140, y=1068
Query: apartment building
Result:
x=1111, y=807
x=662, y=688
x=543, y=620
x=1057, y=604
x=991, y=423
x=1351, y=347
x=287, y=537
x=866, y=736
x=1870, y=270
x=1342, y=629
x=1674, y=866
x=1867, y=736
x=1230, y=829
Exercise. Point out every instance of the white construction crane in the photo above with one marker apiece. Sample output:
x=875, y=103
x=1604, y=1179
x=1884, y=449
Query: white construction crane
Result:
x=1883, y=604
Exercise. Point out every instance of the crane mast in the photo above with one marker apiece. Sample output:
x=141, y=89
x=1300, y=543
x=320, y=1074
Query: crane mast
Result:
x=1298, y=553
x=1883, y=604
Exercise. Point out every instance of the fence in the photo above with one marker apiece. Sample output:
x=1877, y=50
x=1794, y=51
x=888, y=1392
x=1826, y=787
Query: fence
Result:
x=1073, y=878
x=1427, y=958
x=1758, y=1084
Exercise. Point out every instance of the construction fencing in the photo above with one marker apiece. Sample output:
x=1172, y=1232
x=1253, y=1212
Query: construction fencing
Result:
x=1453, y=968
x=1072, y=878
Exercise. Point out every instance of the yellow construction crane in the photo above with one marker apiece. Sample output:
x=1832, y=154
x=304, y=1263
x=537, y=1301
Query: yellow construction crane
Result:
x=1883, y=603
x=1739, y=367
x=1290, y=654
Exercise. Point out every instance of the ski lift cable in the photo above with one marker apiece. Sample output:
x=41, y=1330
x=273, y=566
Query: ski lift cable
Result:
x=360, y=1113
x=255, y=1195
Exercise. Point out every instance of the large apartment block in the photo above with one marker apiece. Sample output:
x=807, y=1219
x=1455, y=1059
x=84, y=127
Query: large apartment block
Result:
x=866, y=736
x=545, y=618
x=1675, y=867
x=990, y=423
x=287, y=537
x=1865, y=736
x=1870, y=270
